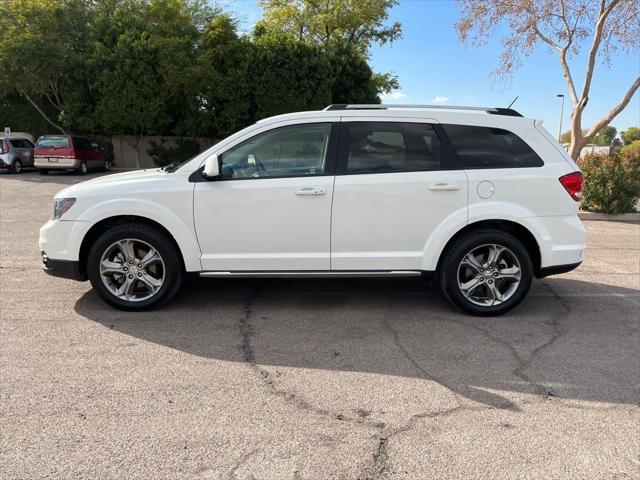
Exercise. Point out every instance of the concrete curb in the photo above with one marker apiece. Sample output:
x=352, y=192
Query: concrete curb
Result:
x=623, y=217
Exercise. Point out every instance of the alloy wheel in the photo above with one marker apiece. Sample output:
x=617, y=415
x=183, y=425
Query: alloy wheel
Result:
x=132, y=270
x=489, y=275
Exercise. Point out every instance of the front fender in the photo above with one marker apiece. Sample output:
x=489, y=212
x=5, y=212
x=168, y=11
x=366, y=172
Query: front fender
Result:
x=178, y=223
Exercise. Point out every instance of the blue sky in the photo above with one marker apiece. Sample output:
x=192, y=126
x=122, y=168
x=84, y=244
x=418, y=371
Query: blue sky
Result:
x=434, y=67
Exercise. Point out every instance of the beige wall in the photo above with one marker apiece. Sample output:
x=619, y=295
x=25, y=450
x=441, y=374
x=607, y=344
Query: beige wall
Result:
x=124, y=149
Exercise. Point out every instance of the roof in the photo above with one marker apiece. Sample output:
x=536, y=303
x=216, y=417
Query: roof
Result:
x=481, y=116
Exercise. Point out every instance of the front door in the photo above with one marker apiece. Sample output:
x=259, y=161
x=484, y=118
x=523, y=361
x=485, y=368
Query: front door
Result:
x=270, y=209
x=395, y=184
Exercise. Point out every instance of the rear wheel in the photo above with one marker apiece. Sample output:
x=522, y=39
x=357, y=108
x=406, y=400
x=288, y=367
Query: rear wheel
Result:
x=82, y=169
x=134, y=267
x=16, y=167
x=486, y=272
x=107, y=166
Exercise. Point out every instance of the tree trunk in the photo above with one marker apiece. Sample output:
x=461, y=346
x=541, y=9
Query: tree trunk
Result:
x=138, y=145
x=41, y=112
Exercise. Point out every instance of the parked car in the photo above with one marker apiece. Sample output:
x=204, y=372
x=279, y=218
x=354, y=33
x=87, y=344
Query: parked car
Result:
x=484, y=201
x=15, y=153
x=68, y=152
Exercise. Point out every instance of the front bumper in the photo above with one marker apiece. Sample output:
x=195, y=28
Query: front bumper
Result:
x=59, y=244
x=62, y=268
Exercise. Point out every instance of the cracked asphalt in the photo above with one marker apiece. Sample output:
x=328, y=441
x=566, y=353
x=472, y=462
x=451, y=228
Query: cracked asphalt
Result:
x=315, y=379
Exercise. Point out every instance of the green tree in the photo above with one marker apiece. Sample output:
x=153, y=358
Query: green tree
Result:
x=347, y=24
x=140, y=72
x=352, y=80
x=339, y=27
x=43, y=43
x=605, y=136
x=288, y=76
x=225, y=78
x=630, y=135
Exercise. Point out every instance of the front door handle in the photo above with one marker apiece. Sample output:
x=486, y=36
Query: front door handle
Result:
x=313, y=191
x=444, y=186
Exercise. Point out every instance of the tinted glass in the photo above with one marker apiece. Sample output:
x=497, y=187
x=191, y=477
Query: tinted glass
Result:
x=83, y=144
x=53, y=142
x=386, y=147
x=294, y=151
x=26, y=143
x=16, y=143
x=486, y=147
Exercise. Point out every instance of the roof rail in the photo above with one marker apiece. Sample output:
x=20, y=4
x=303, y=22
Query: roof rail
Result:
x=379, y=106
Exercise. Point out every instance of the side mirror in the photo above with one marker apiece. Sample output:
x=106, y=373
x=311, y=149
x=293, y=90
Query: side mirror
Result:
x=211, y=167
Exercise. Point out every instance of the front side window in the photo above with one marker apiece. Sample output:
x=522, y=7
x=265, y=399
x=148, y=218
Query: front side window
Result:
x=292, y=151
x=387, y=147
x=488, y=147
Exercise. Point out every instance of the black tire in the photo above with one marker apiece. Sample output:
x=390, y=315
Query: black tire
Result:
x=16, y=166
x=454, y=255
x=107, y=166
x=173, y=272
x=43, y=171
x=82, y=169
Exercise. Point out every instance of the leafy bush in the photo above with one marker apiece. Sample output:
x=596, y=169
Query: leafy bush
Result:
x=182, y=149
x=612, y=182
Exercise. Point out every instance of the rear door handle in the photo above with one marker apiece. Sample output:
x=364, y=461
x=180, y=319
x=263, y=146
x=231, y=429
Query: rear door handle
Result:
x=444, y=186
x=313, y=191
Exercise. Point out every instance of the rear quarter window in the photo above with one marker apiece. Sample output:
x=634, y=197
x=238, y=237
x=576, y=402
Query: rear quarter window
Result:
x=488, y=147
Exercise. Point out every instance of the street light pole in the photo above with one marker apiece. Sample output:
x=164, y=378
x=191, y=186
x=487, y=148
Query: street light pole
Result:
x=561, y=115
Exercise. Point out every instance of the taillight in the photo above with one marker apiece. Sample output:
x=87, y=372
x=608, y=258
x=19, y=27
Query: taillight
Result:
x=572, y=182
x=4, y=147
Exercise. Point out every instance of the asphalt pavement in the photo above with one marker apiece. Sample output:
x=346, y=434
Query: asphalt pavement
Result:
x=316, y=378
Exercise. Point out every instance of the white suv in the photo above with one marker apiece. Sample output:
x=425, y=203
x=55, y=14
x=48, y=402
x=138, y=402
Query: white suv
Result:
x=481, y=197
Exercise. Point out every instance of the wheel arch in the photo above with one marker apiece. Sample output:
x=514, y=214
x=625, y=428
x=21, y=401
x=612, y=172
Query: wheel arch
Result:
x=516, y=229
x=107, y=223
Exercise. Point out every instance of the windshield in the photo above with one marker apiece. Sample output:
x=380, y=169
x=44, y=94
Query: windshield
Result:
x=53, y=142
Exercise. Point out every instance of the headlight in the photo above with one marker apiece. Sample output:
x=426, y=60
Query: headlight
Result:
x=61, y=206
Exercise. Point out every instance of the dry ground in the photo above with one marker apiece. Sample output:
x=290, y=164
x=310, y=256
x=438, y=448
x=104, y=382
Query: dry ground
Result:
x=315, y=379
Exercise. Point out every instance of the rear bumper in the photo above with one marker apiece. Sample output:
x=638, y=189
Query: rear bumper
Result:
x=61, y=164
x=62, y=268
x=562, y=240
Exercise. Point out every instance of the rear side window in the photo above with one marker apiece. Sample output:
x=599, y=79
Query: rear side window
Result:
x=53, y=142
x=82, y=143
x=387, y=147
x=487, y=147
x=16, y=143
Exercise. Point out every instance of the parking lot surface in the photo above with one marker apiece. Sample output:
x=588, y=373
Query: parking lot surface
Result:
x=315, y=379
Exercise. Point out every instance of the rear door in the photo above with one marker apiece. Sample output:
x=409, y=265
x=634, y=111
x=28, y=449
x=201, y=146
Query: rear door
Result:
x=84, y=151
x=27, y=148
x=396, y=183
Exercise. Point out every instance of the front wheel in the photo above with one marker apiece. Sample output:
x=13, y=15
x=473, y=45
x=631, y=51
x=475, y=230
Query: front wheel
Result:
x=134, y=267
x=486, y=272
